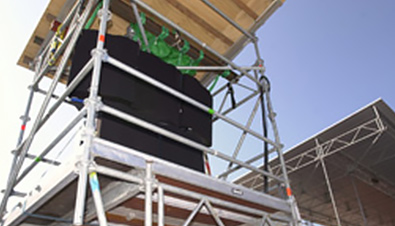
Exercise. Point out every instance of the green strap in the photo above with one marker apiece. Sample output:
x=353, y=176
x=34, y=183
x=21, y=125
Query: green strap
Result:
x=214, y=83
x=93, y=17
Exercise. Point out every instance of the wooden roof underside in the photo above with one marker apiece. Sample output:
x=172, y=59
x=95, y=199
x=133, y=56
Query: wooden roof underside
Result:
x=194, y=16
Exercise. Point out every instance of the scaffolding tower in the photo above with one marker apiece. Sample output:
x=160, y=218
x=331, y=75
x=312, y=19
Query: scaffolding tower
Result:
x=137, y=188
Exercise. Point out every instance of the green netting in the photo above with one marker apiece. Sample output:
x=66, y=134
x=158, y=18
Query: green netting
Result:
x=167, y=53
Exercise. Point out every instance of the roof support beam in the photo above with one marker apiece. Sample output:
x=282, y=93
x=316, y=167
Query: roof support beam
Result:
x=320, y=153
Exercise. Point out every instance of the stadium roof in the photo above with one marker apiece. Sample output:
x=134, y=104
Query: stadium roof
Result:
x=359, y=158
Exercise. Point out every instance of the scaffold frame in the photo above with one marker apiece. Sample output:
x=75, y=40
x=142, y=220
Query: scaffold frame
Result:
x=85, y=168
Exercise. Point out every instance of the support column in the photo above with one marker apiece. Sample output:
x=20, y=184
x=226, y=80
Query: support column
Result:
x=291, y=199
x=161, y=206
x=95, y=188
x=92, y=104
x=264, y=88
x=328, y=183
x=148, y=193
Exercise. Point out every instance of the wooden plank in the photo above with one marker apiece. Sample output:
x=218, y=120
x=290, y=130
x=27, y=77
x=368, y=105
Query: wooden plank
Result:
x=229, y=8
x=241, y=4
x=187, y=23
x=193, y=15
x=207, y=18
x=258, y=6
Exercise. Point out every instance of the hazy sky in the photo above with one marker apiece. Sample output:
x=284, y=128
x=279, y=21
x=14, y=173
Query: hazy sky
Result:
x=325, y=59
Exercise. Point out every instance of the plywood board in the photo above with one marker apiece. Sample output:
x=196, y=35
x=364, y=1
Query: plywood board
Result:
x=194, y=16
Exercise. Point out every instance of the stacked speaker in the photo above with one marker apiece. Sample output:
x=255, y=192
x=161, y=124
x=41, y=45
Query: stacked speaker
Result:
x=133, y=96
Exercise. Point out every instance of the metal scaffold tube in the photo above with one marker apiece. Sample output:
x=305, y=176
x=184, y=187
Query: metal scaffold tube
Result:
x=56, y=140
x=161, y=206
x=91, y=105
x=178, y=138
x=26, y=145
x=148, y=193
x=291, y=198
x=152, y=185
x=116, y=174
x=242, y=30
x=264, y=90
x=95, y=188
x=80, y=76
x=213, y=213
x=243, y=136
x=183, y=97
x=193, y=213
x=25, y=118
x=216, y=201
x=140, y=24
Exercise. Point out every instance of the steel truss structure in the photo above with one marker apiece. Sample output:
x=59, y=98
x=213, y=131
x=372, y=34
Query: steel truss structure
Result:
x=354, y=156
x=128, y=174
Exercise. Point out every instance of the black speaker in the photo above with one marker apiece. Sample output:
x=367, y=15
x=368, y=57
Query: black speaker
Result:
x=119, y=131
x=131, y=95
x=195, y=123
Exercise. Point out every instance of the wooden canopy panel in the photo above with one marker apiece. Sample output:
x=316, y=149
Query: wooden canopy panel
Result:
x=194, y=16
x=205, y=24
x=40, y=33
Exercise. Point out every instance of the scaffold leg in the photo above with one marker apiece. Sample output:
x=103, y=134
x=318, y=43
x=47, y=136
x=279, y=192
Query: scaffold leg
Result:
x=95, y=188
x=92, y=102
x=148, y=194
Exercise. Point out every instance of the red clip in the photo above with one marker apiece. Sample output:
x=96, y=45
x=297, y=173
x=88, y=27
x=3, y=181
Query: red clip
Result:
x=101, y=38
x=289, y=192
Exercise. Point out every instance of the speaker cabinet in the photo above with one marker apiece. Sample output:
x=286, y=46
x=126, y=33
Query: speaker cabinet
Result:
x=131, y=95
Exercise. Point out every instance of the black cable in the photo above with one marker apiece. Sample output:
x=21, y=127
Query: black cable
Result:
x=232, y=95
x=265, y=134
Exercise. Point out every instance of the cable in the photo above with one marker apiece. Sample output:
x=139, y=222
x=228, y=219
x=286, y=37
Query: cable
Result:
x=264, y=125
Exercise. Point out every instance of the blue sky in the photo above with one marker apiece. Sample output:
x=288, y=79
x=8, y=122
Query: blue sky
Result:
x=325, y=59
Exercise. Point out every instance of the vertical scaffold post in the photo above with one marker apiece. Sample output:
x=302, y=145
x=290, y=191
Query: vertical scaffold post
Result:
x=148, y=193
x=261, y=98
x=25, y=118
x=92, y=104
x=24, y=147
x=320, y=155
x=95, y=188
x=265, y=89
x=291, y=199
x=161, y=206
